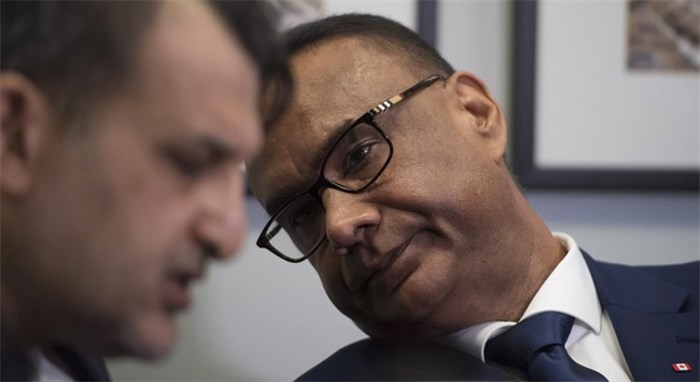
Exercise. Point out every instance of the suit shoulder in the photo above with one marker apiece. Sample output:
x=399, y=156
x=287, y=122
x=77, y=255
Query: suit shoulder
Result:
x=686, y=276
x=675, y=273
x=647, y=287
x=370, y=360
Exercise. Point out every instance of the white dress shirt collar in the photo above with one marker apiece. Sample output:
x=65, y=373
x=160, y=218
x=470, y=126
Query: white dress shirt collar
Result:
x=568, y=289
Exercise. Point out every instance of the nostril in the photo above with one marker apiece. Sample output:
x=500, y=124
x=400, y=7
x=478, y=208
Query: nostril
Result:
x=209, y=250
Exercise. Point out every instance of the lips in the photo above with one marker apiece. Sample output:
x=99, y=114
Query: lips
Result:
x=176, y=291
x=397, y=270
x=388, y=272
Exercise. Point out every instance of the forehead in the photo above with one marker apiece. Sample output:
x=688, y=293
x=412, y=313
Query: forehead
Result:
x=335, y=82
x=190, y=67
x=189, y=36
x=344, y=77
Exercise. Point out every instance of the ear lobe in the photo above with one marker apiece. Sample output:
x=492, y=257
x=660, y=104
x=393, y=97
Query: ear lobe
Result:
x=24, y=120
x=483, y=111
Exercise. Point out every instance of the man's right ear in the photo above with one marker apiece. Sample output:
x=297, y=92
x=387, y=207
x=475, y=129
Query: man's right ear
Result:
x=24, y=124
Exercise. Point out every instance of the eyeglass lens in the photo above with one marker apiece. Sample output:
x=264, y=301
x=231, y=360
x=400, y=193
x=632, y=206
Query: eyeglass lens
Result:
x=354, y=162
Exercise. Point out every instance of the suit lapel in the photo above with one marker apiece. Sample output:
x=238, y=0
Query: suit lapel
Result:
x=19, y=366
x=650, y=325
x=82, y=367
x=16, y=365
x=653, y=342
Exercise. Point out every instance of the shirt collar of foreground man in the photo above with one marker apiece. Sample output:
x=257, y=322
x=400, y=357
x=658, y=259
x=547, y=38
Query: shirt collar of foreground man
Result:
x=425, y=231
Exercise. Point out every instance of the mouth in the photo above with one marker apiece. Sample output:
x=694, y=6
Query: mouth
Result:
x=391, y=272
x=176, y=291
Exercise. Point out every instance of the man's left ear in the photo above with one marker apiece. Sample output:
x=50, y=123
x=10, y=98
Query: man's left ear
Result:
x=482, y=112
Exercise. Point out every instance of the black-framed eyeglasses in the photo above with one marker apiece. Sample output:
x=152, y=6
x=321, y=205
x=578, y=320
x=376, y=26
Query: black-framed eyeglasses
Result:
x=354, y=161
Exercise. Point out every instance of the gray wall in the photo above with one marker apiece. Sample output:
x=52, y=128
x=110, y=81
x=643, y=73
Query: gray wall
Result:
x=258, y=318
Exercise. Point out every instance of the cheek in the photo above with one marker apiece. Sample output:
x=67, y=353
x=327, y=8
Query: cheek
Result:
x=441, y=177
x=433, y=281
x=426, y=160
x=150, y=203
x=105, y=262
x=429, y=284
x=329, y=268
x=130, y=221
x=128, y=245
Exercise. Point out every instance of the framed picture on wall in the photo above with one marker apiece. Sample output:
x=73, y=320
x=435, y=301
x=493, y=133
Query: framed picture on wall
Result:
x=294, y=12
x=606, y=94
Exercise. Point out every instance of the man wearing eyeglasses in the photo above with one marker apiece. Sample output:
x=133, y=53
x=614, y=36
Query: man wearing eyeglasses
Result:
x=388, y=175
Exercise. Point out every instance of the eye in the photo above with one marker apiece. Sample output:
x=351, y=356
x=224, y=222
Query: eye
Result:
x=357, y=159
x=190, y=168
x=187, y=164
x=302, y=222
x=301, y=215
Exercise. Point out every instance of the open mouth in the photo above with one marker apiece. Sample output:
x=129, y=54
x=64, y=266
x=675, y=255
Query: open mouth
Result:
x=176, y=291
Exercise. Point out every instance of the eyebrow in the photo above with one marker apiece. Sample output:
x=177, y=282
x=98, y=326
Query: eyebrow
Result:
x=203, y=143
x=333, y=138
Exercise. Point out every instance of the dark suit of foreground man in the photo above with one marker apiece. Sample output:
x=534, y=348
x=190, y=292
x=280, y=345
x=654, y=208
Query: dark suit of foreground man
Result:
x=388, y=174
x=124, y=130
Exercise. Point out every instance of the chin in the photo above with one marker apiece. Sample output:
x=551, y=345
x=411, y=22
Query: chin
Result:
x=149, y=340
x=154, y=351
x=402, y=319
x=410, y=307
x=394, y=332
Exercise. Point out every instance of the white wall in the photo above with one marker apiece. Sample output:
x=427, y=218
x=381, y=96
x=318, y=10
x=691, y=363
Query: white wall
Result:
x=259, y=318
x=474, y=35
x=403, y=11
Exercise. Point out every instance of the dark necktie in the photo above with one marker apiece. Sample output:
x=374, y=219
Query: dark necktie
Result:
x=535, y=346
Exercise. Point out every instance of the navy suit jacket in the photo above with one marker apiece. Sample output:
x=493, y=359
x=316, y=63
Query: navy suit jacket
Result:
x=16, y=365
x=370, y=360
x=653, y=309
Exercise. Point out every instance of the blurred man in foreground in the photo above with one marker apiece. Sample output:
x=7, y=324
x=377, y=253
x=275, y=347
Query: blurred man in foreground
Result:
x=124, y=129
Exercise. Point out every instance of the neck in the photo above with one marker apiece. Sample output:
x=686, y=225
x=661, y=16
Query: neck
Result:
x=522, y=254
x=541, y=253
x=8, y=312
x=21, y=328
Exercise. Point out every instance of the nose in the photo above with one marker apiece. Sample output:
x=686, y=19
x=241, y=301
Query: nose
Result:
x=221, y=223
x=349, y=219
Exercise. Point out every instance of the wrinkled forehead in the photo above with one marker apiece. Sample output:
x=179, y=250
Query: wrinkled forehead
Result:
x=336, y=82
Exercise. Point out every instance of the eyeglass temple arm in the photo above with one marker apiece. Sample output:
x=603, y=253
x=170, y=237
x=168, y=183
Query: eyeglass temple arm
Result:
x=382, y=107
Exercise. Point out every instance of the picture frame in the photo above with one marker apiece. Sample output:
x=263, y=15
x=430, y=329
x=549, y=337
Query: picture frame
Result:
x=527, y=130
x=427, y=20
